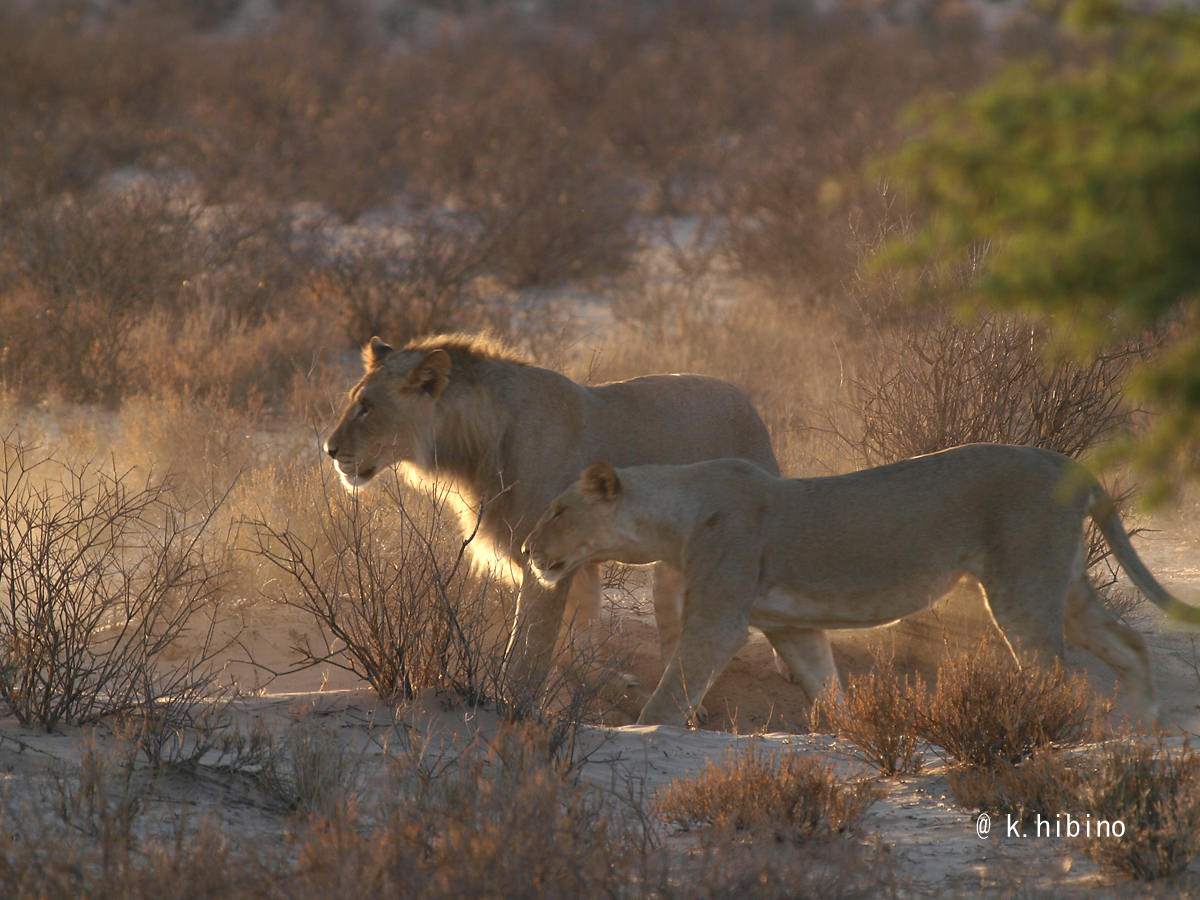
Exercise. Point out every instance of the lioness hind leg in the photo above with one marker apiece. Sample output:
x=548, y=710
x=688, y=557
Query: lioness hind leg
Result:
x=1029, y=615
x=808, y=656
x=1090, y=626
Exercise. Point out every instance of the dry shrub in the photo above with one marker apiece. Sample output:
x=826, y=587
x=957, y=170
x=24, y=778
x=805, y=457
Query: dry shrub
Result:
x=311, y=770
x=1155, y=794
x=1044, y=784
x=109, y=593
x=937, y=382
x=796, y=797
x=781, y=870
x=986, y=708
x=80, y=274
x=194, y=443
x=879, y=713
x=387, y=580
x=110, y=295
x=502, y=822
x=941, y=383
x=420, y=281
x=386, y=577
x=193, y=863
x=494, y=140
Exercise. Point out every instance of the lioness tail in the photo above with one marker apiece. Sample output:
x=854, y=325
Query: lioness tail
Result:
x=1103, y=511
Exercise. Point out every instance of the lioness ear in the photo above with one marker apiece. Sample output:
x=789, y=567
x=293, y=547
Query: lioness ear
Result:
x=374, y=352
x=600, y=480
x=431, y=374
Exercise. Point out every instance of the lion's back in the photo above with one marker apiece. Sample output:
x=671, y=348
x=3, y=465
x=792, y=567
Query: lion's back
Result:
x=560, y=427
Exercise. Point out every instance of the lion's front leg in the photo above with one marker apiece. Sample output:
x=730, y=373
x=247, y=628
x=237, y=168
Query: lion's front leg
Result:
x=539, y=617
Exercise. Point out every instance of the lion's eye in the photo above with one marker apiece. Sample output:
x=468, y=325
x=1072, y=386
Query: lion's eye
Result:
x=363, y=408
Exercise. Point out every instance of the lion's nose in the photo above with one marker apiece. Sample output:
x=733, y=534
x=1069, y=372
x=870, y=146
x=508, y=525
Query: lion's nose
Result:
x=330, y=448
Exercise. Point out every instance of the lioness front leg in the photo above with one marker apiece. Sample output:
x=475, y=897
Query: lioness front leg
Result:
x=711, y=636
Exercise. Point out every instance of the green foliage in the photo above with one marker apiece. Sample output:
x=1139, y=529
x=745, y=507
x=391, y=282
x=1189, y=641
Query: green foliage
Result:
x=1067, y=190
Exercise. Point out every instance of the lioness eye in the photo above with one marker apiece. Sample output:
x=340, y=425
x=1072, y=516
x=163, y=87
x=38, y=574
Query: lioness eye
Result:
x=363, y=408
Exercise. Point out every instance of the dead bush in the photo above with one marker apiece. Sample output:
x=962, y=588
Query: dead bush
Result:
x=1044, y=784
x=110, y=595
x=80, y=274
x=502, y=822
x=779, y=870
x=1154, y=793
x=38, y=862
x=418, y=282
x=938, y=382
x=941, y=383
x=529, y=169
x=311, y=770
x=878, y=713
x=796, y=797
x=388, y=582
x=986, y=708
x=387, y=579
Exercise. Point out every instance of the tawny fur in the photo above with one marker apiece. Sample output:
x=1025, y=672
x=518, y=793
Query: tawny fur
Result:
x=509, y=436
x=793, y=557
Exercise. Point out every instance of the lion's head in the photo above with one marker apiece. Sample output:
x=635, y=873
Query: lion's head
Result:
x=390, y=413
x=578, y=525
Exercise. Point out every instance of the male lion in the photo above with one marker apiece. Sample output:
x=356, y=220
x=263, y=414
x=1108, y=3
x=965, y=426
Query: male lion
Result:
x=794, y=556
x=510, y=436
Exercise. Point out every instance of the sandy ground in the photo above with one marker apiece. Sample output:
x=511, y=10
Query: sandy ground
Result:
x=934, y=843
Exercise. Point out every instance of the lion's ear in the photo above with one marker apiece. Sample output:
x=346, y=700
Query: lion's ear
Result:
x=431, y=374
x=600, y=480
x=374, y=352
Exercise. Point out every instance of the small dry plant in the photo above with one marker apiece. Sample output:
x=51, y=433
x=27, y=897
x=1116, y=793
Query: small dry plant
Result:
x=103, y=576
x=387, y=581
x=1154, y=794
x=502, y=820
x=312, y=769
x=987, y=708
x=794, y=796
x=878, y=713
x=1044, y=784
x=777, y=870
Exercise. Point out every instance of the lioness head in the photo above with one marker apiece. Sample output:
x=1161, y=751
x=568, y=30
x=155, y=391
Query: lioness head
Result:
x=390, y=413
x=579, y=524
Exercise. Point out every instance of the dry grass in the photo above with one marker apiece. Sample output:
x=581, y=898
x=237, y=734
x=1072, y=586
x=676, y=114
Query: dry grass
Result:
x=1042, y=785
x=879, y=713
x=796, y=797
x=985, y=708
x=105, y=576
x=1155, y=794
x=386, y=578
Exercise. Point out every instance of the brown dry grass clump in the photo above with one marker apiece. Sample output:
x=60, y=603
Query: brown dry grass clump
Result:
x=986, y=708
x=1044, y=784
x=109, y=592
x=1155, y=794
x=879, y=713
x=796, y=797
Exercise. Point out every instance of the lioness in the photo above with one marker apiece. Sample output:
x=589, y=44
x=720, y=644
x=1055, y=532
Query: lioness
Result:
x=511, y=436
x=794, y=556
